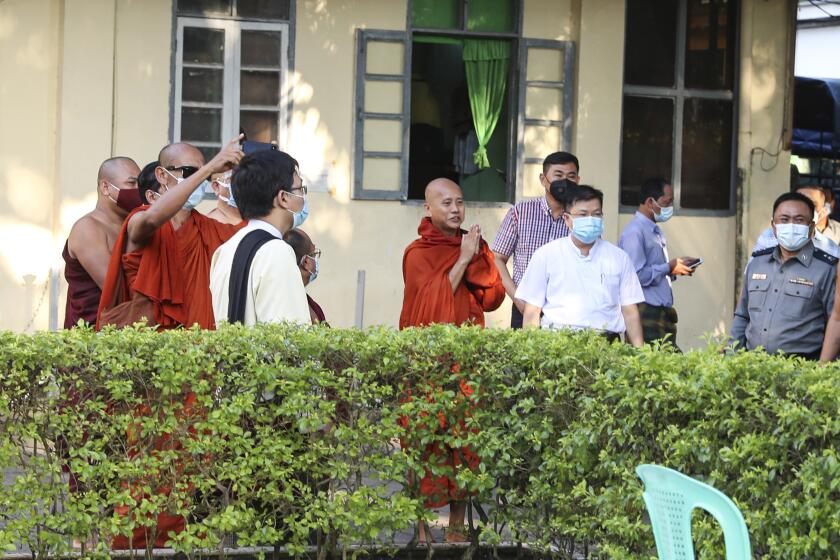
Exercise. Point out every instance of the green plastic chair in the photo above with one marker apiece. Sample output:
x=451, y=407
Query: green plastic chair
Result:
x=670, y=497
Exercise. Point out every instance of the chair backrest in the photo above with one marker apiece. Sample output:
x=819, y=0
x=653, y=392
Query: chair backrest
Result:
x=671, y=496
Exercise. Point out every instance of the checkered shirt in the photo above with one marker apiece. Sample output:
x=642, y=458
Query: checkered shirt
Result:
x=527, y=227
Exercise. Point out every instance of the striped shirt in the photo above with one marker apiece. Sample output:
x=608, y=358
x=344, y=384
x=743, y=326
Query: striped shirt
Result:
x=528, y=226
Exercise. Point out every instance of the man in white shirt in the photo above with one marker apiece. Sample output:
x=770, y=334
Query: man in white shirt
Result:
x=254, y=277
x=582, y=281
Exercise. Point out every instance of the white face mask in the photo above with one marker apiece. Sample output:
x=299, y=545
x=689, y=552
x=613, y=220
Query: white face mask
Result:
x=202, y=192
x=227, y=199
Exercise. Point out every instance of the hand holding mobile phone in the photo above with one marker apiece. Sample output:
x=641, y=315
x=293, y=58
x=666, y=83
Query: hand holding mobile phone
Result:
x=249, y=146
x=696, y=262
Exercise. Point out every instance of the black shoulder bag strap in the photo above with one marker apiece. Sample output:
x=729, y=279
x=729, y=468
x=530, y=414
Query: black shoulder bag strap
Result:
x=240, y=271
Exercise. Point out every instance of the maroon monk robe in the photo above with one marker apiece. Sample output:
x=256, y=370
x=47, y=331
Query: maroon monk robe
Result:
x=82, y=292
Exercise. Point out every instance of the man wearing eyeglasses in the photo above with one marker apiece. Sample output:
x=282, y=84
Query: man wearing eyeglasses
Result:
x=254, y=277
x=309, y=262
x=164, y=249
x=582, y=281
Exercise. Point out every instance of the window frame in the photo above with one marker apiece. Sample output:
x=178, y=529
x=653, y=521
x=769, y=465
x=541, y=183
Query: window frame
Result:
x=407, y=37
x=363, y=36
x=679, y=93
x=231, y=107
x=566, y=87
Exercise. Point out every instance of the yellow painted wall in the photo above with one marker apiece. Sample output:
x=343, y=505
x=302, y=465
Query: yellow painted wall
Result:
x=599, y=86
x=29, y=58
x=85, y=80
x=104, y=90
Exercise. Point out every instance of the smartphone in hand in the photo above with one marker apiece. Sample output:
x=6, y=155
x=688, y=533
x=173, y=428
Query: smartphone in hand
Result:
x=693, y=264
x=249, y=146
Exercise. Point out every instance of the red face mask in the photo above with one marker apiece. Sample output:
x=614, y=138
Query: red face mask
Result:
x=128, y=199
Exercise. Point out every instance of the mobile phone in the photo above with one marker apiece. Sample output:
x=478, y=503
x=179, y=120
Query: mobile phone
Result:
x=695, y=264
x=249, y=146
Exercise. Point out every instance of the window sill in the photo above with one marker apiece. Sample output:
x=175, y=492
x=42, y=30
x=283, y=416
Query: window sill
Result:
x=686, y=212
x=467, y=203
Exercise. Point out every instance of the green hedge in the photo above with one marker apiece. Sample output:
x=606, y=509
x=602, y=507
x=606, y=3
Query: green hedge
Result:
x=291, y=425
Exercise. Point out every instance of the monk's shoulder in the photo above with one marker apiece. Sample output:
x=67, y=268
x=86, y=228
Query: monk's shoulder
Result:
x=90, y=229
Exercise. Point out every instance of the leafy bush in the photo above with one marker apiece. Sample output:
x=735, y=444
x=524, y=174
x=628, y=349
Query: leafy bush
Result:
x=290, y=437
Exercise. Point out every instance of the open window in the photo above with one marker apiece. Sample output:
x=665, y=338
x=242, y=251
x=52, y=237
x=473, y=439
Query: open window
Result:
x=458, y=101
x=461, y=95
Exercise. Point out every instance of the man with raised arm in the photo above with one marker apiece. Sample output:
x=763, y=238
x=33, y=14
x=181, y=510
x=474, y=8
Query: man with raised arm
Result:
x=450, y=277
x=88, y=248
x=164, y=249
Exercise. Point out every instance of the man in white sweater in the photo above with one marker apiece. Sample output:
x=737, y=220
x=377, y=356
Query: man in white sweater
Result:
x=254, y=277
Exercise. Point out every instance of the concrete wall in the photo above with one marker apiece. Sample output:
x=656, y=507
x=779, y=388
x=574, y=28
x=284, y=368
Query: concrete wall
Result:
x=103, y=89
x=85, y=80
x=30, y=54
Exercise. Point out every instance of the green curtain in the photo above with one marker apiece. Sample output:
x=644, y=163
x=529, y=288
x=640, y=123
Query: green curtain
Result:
x=486, y=63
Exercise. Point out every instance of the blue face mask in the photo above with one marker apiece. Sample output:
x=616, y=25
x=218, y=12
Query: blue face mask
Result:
x=587, y=228
x=792, y=236
x=301, y=215
x=665, y=213
x=314, y=274
x=199, y=194
x=202, y=192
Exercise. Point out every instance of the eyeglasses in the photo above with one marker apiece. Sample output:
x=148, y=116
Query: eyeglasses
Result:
x=301, y=188
x=314, y=255
x=186, y=170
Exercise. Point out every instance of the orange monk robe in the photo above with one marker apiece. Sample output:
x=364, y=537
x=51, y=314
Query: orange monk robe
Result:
x=428, y=296
x=429, y=299
x=172, y=270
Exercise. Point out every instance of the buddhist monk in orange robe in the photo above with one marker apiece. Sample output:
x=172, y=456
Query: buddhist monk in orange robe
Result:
x=450, y=277
x=163, y=253
x=164, y=249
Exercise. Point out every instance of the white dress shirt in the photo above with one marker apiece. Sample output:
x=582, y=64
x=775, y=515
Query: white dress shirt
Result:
x=275, y=287
x=581, y=291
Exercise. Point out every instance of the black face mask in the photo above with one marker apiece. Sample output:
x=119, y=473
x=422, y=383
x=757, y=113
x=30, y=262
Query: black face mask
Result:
x=559, y=189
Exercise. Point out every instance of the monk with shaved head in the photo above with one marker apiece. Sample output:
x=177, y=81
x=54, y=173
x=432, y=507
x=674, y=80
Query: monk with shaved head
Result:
x=161, y=260
x=450, y=277
x=88, y=248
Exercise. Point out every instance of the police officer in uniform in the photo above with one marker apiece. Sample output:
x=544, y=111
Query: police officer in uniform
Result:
x=788, y=291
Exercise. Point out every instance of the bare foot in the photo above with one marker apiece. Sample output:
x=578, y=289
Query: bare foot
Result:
x=453, y=537
x=421, y=534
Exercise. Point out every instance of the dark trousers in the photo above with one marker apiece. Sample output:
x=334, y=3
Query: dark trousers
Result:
x=658, y=323
x=515, y=318
x=813, y=356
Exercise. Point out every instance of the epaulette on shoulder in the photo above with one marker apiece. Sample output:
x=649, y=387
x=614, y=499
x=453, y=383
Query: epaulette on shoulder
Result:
x=821, y=255
x=766, y=251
